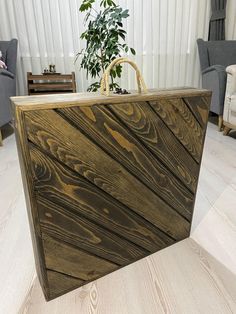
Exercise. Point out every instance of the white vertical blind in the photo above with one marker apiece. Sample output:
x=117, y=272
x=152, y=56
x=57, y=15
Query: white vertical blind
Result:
x=163, y=32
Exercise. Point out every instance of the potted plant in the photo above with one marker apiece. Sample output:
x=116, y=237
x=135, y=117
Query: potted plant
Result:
x=105, y=40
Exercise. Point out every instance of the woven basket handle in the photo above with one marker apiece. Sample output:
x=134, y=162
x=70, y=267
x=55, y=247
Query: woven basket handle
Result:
x=105, y=86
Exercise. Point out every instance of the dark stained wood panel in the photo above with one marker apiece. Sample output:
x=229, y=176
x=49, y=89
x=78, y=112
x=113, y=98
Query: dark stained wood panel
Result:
x=64, y=258
x=62, y=186
x=108, y=180
x=158, y=138
x=61, y=140
x=183, y=124
x=105, y=130
x=198, y=106
x=61, y=283
x=63, y=225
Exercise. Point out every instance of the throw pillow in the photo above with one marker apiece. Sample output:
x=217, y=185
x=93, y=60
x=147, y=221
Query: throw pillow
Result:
x=2, y=64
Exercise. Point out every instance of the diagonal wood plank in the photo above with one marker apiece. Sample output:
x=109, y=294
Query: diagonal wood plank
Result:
x=59, y=223
x=199, y=108
x=152, y=131
x=66, y=188
x=61, y=140
x=101, y=126
x=61, y=283
x=183, y=124
x=64, y=258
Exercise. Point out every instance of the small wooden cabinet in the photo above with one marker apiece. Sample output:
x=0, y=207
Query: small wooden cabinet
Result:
x=51, y=83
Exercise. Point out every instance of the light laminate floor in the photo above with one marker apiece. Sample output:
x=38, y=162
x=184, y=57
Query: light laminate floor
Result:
x=181, y=279
x=197, y=275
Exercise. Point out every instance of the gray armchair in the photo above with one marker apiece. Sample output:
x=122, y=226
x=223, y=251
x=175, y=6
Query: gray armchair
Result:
x=7, y=81
x=215, y=56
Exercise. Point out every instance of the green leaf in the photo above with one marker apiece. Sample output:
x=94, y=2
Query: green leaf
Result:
x=103, y=38
x=122, y=36
x=86, y=5
x=133, y=51
x=125, y=14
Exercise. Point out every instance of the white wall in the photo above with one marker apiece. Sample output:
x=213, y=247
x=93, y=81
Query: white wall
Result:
x=163, y=32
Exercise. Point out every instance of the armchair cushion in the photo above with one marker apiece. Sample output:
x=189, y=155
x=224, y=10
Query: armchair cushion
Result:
x=7, y=73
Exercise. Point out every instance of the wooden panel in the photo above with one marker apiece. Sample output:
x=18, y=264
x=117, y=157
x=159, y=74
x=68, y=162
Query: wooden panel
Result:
x=51, y=86
x=110, y=180
x=64, y=258
x=101, y=126
x=63, y=225
x=198, y=106
x=157, y=137
x=52, y=180
x=50, y=77
x=61, y=140
x=182, y=123
x=61, y=283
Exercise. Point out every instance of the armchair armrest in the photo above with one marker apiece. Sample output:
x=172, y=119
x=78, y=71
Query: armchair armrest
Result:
x=7, y=73
x=217, y=68
x=231, y=69
x=214, y=79
x=231, y=81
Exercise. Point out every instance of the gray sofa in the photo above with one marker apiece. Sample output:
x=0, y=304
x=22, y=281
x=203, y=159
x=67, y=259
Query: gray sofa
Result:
x=215, y=56
x=7, y=80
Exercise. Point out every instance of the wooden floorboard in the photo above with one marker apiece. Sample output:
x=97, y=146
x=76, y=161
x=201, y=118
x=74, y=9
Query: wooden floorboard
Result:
x=183, y=278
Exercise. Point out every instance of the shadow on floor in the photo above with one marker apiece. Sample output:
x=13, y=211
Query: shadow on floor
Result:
x=7, y=130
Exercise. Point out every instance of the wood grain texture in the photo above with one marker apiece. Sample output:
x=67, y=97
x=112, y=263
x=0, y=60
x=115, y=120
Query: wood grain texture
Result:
x=63, y=225
x=155, y=135
x=101, y=126
x=26, y=103
x=61, y=283
x=110, y=183
x=198, y=106
x=62, y=186
x=28, y=183
x=61, y=140
x=183, y=124
x=66, y=259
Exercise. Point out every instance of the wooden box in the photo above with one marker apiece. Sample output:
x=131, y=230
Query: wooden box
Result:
x=108, y=180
